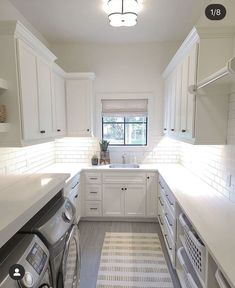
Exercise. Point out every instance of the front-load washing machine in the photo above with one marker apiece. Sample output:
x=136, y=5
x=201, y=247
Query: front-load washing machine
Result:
x=58, y=230
x=31, y=253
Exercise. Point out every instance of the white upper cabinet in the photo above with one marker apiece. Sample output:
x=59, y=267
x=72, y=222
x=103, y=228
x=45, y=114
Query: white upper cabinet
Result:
x=79, y=97
x=26, y=64
x=45, y=97
x=27, y=60
x=58, y=102
x=190, y=115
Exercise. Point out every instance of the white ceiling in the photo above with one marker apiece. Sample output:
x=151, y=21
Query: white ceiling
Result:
x=86, y=21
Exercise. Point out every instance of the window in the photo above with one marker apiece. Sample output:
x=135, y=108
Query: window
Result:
x=125, y=131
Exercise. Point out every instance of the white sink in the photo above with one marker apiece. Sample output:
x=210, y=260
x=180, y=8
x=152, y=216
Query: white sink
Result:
x=124, y=166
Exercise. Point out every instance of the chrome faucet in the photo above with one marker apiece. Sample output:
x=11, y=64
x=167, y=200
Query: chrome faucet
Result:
x=123, y=158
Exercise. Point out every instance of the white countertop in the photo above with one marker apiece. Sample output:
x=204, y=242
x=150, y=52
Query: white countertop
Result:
x=211, y=214
x=71, y=168
x=22, y=196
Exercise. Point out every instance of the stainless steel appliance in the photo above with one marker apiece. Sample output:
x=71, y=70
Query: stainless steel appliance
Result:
x=30, y=252
x=58, y=230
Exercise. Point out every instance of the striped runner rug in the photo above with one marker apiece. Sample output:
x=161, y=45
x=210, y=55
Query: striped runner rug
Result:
x=133, y=260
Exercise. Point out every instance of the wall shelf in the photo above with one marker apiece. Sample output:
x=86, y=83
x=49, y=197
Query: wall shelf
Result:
x=3, y=84
x=219, y=81
x=4, y=127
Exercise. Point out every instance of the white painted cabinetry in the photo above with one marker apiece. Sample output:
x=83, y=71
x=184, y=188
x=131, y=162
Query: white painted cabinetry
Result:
x=190, y=116
x=26, y=64
x=119, y=194
x=59, y=102
x=113, y=200
x=79, y=92
x=27, y=61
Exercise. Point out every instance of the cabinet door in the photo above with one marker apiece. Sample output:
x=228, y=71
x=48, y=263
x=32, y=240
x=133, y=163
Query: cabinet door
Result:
x=44, y=97
x=152, y=187
x=189, y=72
x=167, y=104
x=113, y=200
x=79, y=107
x=135, y=200
x=172, y=97
x=59, y=119
x=27, y=61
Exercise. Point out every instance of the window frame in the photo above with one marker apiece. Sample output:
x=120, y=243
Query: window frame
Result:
x=124, y=123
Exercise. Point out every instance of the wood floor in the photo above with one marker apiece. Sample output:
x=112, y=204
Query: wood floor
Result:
x=91, y=241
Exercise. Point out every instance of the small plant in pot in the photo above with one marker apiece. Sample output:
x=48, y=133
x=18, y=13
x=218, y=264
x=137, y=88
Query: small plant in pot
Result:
x=94, y=160
x=104, y=153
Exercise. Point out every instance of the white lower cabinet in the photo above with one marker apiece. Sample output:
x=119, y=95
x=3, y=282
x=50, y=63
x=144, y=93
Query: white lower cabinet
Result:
x=135, y=200
x=119, y=194
x=113, y=200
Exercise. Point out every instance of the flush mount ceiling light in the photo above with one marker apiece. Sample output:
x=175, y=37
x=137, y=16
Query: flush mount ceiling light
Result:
x=122, y=12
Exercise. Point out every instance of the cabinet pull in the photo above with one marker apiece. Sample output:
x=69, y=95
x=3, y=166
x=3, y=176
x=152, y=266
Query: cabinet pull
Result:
x=93, y=208
x=93, y=192
x=58, y=130
x=167, y=242
x=87, y=130
x=169, y=201
x=76, y=196
x=93, y=178
x=42, y=131
x=161, y=185
x=172, y=129
x=183, y=130
x=75, y=185
x=165, y=129
x=160, y=200
x=167, y=219
x=160, y=219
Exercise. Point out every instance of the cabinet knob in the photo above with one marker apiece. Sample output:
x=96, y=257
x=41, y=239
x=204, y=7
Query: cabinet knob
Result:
x=172, y=129
x=87, y=130
x=148, y=177
x=125, y=188
x=42, y=131
x=122, y=189
x=58, y=130
x=183, y=130
x=165, y=129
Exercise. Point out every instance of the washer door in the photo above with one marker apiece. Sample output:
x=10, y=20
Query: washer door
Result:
x=70, y=266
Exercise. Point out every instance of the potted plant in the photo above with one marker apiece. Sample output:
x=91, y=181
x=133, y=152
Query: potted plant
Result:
x=94, y=160
x=104, y=153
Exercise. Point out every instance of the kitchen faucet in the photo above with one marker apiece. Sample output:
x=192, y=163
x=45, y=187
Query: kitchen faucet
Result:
x=123, y=158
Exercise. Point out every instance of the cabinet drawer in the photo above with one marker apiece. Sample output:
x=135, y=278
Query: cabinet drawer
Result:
x=169, y=241
x=93, y=208
x=169, y=216
x=128, y=177
x=92, y=178
x=93, y=192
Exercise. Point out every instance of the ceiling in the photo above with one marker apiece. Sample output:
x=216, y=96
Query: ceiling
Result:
x=85, y=20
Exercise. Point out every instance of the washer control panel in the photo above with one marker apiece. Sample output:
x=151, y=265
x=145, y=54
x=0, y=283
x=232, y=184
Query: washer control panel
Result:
x=37, y=258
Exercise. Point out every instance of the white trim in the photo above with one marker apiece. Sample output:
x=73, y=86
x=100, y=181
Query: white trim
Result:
x=58, y=70
x=17, y=29
x=194, y=36
x=86, y=75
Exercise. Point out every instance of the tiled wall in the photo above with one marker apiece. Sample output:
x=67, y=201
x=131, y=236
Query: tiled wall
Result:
x=81, y=150
x=215, y=164
x=26, y=159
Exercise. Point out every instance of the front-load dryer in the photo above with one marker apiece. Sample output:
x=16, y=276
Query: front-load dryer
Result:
x=31, y=253
x=57, y=229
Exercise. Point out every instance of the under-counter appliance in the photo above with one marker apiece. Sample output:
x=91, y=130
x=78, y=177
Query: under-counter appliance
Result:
x=30, y=252
x=58, y=230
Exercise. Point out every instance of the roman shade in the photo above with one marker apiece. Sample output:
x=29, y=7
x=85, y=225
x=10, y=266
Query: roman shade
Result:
x=125, y=107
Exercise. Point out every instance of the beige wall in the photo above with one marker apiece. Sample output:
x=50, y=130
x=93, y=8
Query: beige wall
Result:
x=9, y=12
x=121, y=68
